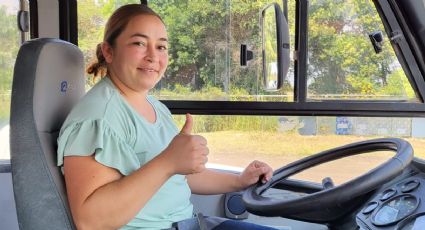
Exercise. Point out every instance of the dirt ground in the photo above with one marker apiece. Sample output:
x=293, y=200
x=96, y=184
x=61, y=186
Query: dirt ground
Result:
x=236, y=148
x=340, y=170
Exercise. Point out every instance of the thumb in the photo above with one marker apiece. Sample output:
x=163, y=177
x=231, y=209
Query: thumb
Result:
x=187, y=127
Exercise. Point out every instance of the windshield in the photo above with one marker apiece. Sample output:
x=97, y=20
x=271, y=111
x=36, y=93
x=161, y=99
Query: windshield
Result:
x=350, y=57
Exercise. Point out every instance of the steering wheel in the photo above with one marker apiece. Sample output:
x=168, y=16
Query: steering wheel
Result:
x=330, y=204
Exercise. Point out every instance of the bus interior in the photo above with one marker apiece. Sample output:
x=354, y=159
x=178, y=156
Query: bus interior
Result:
x=330, y=93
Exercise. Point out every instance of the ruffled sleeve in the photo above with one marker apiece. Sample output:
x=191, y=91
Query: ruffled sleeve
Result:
x=96, y=136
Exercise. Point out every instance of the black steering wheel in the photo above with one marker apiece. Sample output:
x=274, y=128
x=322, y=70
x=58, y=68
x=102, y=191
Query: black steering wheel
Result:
x=330, y=204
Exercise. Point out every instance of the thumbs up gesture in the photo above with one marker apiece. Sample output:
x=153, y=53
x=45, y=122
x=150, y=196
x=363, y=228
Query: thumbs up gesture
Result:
x=187, y=152
x=187, y=127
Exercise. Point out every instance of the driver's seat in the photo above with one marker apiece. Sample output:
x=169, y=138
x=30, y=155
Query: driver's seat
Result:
x=48, y=80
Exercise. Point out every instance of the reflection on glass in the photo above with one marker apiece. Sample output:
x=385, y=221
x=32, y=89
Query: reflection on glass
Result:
x=386, y=215
x=395, y=210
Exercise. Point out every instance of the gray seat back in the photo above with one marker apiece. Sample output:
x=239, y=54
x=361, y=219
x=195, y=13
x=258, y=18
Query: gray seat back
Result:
x=48, y=80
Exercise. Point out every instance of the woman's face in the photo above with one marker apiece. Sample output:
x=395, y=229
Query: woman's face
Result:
x=139, y=57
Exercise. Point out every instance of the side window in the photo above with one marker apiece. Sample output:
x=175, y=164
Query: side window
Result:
x=10, y=38
x=350, y=55
x=205, y=44
x=204, y=48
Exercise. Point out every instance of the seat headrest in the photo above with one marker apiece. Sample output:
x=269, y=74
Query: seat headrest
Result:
x=58, y=81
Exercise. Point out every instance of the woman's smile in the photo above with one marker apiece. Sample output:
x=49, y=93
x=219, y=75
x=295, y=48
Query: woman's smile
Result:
x=147, y=70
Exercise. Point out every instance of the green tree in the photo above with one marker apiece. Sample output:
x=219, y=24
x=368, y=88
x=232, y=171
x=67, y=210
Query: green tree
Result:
x=195, y=31
x=204, y=39
x=204, y=42
x=9, y=38
x=341, y=58
x=90, y=28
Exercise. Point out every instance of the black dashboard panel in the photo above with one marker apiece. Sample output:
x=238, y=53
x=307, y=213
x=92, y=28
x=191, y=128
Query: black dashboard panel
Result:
x=398, y=206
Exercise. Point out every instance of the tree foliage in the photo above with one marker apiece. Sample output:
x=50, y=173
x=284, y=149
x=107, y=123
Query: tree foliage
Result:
x=341, y=57
x=9, y=38
x=205, y=36
x=10, y=41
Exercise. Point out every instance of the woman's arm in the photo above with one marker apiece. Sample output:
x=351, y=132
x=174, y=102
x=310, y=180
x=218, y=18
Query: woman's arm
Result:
x=101, y=198
x=209, y=181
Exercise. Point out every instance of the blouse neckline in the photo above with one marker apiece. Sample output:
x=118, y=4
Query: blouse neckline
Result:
x=148, y=98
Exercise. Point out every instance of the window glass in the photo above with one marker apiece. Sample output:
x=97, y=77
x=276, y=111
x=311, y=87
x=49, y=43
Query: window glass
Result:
x=10, y=38
x=205, y=42
x=204, y=47
x=350, y=55
x=234, y=141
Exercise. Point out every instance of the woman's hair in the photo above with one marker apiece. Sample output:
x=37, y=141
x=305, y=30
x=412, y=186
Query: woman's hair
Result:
x=114, y=27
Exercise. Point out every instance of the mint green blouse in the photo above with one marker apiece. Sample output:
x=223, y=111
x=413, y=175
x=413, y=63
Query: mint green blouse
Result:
x=103, y=123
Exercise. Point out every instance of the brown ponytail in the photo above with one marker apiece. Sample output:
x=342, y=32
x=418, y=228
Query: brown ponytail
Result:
x=114, y=27
x=98, y=68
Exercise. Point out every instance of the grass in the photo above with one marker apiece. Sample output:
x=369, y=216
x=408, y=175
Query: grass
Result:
x=289, y=144
x=239, y=148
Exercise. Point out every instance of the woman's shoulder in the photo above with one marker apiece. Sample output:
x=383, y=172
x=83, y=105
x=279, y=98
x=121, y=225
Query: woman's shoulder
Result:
x=95, y=104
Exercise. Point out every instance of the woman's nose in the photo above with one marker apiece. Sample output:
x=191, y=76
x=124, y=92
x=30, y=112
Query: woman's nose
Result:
x=151, y=54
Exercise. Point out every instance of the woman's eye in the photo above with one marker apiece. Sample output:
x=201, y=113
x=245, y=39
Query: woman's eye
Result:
x=162, y=48
x=139, y=43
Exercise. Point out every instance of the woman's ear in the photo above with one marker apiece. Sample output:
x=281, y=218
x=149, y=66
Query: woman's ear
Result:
x=107, y=52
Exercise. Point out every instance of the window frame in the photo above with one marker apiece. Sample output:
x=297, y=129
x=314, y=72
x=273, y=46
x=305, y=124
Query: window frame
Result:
x=68, y=21
x=33, y=9
x=301, y=105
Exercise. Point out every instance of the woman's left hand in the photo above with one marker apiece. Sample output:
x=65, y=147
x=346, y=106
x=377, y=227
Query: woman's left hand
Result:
x=255, y=171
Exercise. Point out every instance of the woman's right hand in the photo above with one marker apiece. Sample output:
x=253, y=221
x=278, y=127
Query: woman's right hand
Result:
x=187, y=153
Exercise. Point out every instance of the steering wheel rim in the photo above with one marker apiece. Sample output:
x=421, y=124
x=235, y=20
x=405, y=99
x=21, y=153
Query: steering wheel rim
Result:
x=332, y=198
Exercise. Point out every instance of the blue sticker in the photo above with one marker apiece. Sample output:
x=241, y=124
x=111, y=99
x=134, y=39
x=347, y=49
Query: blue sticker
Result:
x=64, y=86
